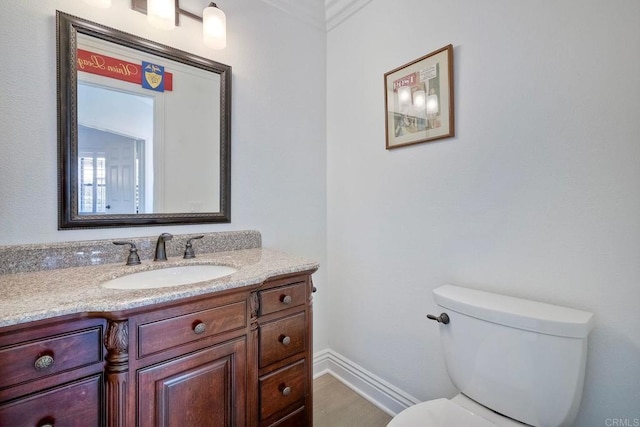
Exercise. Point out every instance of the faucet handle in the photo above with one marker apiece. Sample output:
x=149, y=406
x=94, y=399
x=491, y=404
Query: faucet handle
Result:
x=188, y=251
x=133, y=258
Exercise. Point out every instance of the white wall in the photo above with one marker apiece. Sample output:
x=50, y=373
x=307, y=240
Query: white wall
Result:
x=537, y=195
x=278, y=150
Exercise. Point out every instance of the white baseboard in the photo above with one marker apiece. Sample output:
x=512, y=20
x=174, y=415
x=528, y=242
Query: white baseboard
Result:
x=385, y=396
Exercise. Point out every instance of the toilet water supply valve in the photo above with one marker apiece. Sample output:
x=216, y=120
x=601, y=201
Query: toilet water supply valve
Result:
x=443, y=318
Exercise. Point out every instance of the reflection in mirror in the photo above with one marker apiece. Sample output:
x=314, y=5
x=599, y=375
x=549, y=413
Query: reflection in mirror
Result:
x=112, y=164
x=143, y=131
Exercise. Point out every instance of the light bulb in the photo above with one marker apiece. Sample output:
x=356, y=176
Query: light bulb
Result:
x=214, y=27
x=161, y=14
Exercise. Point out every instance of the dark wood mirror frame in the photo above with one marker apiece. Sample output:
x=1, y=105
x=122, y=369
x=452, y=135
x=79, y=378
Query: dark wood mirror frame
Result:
x=67, y=28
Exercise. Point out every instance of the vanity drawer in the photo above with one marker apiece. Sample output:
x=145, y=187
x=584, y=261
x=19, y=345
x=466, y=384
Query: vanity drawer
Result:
x=281, y=298
x=74, y=405
x=168, y=333
x=294, y=419
x=51, y=355
x=282, y=388
x=282, y=338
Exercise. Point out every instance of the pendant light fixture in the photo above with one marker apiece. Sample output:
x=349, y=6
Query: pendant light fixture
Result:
x=214, y=27
x=164, y=14
x=161, y=14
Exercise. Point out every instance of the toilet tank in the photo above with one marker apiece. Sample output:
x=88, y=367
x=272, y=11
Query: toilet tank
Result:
x=520, y=358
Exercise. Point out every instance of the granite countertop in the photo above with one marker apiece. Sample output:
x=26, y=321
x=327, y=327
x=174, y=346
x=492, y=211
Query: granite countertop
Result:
x=29, y=296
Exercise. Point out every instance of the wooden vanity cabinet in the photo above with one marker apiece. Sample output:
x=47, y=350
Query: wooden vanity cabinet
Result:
x=205, y=388
x=188, y=362
x=285, y=353
x=51, y=373
x=232, y=358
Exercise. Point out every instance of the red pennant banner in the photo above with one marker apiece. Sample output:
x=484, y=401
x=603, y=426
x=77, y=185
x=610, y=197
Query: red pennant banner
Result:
x=97, y=63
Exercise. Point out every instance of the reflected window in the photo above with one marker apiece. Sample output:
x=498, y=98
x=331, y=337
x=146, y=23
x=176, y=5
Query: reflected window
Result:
x=92, y=183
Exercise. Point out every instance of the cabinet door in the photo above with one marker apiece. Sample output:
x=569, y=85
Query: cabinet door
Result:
x=205, y=388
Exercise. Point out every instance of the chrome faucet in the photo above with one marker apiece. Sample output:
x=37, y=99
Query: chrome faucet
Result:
x=161, y=253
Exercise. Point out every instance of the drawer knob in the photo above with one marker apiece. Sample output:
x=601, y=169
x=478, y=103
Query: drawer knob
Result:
x=200, y=328
x=43, y=362
x=285, y=299
x=284, y=339
x=285, y=390
x=46, y=422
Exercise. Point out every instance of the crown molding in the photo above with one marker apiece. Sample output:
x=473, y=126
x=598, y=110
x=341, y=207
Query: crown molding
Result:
x=309, y=11
x=324, y=15
x=339, y=10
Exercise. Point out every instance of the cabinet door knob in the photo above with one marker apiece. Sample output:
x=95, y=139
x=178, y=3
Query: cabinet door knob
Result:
x=43, y=362
x=285, y=299
x=199, y=328
x=285, y=339
x=285, y=390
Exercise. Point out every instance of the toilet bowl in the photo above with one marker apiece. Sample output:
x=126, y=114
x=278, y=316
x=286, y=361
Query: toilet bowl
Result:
x=515, y=362
x=459, y=411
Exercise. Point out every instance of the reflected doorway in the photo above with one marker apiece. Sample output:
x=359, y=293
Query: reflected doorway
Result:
x=115, y=151
x=111, y=172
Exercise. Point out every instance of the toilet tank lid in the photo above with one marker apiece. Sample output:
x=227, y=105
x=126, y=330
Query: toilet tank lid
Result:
x=515, y=312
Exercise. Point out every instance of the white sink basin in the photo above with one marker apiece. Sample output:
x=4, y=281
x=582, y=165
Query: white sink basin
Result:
x=172, y=276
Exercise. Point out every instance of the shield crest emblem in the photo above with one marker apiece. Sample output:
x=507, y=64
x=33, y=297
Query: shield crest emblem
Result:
x=153, y=76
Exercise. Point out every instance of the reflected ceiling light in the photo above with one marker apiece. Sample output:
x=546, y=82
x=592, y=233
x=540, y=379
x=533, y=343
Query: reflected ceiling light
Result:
x=105, y=4
x=165, y=14
x=404, y=95
x=432, y=104
x=419, y=98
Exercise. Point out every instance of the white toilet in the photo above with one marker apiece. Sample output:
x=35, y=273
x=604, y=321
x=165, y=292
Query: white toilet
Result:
x=516, y=362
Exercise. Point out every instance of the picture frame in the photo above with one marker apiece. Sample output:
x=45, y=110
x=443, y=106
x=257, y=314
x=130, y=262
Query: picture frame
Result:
x=419, y=100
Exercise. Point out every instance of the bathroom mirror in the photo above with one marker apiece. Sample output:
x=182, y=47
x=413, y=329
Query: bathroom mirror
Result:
x=143, y=131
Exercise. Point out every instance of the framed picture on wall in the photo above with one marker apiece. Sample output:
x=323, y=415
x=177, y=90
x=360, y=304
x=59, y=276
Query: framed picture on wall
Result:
x=419, y=100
